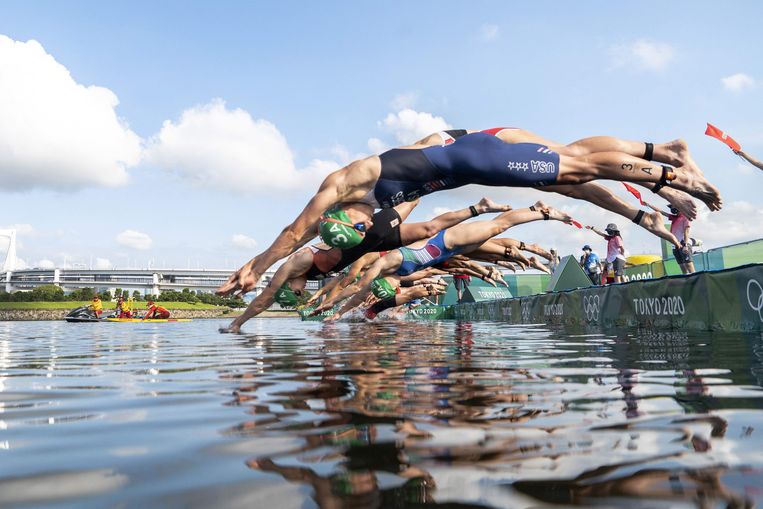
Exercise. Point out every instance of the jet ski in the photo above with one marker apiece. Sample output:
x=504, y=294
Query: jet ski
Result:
x=84, y=314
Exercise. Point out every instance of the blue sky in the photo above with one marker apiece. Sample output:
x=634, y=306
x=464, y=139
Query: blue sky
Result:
x=301, y=88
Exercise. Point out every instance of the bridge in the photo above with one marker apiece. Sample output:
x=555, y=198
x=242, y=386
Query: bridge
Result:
x=146, y=281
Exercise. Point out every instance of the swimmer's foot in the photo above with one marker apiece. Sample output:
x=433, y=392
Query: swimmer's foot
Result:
x=536, y=264
x=507, y=265
x=682, y=201
x=694, y=183
x=653, y=223
x=558, y=215
x=486, y=205
x=676, y=153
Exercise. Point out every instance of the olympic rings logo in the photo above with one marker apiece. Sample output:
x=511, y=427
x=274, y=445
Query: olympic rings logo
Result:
x=756, y=305
x=526, y=310
x=591, y=307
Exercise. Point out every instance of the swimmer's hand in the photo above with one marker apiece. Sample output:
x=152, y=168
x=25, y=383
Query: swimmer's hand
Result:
x=241, y=281
x=333, y=318
x=230, y=329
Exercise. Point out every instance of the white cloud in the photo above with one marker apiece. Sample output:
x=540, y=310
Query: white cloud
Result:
x=134, y=240
x=642, y=55
x=21, y=228
x=437, y=211
x=404, y=100
x=54, y=132
x=408, y=126
x=489, y=32
x=241, y=241
x=737, y=222
x=377, y=146
x=226, y=149
x=46, y=264
x=738, y=82
x=104, y=263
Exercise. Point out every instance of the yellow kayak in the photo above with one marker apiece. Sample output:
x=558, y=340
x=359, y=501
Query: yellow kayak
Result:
x=151, y=320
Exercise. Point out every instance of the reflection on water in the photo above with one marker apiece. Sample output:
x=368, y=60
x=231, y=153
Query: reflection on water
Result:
x=398, y=414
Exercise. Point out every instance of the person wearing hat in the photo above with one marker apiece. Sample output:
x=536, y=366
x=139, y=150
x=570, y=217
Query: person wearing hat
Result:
x=615, y=249
x=155, y=311
x=591, y=264
x=680, y=226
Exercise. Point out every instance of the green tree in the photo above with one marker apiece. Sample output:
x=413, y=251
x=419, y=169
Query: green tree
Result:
x=47, y=293
x=136, y=295
x=106, y=295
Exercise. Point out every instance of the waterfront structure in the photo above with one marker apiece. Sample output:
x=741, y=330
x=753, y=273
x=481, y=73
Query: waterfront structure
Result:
x=146, y=281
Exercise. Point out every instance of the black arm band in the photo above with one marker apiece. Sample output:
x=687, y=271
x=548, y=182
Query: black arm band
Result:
x=407, y=284
x=473, y=210
x=648, y=151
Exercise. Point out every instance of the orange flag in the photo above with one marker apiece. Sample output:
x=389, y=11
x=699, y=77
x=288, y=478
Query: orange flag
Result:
x=634, y=192
x=725, y=138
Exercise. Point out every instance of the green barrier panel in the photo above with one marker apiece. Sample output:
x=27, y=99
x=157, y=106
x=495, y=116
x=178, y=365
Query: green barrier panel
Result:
x=481, y=293
x=731, y=300
x=568, y=275
x=521, y=285
x=477, y=291
x=429, y=312
x=304, y=312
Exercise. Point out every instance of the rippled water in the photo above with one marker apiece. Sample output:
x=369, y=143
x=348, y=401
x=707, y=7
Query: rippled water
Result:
x=399, y=414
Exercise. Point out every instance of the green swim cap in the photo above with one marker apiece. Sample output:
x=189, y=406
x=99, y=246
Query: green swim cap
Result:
x=336, y=234
x=382, y=288
x=286, y=297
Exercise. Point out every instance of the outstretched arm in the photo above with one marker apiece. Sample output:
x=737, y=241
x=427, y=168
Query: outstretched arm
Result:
x=349, y=183
x=656, y=209
x=382, y=266
x=352, y=274
x=744, y=155
x=596, y=231
x=324, y=290
x=294, y=266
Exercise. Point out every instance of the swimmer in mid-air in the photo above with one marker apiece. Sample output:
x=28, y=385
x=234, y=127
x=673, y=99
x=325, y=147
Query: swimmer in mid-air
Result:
x=491, y=157
x=447, y=243
x=382, y=231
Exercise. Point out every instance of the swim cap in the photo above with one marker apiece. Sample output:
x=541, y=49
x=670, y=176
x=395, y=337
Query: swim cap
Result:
x=285, y=296
x=382, y=288
x=343, y=236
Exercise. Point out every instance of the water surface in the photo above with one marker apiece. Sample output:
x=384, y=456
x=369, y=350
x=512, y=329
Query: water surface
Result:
x=399, y=414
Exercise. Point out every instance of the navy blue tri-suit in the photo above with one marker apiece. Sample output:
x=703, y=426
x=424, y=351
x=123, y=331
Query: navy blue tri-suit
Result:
x=475, y=158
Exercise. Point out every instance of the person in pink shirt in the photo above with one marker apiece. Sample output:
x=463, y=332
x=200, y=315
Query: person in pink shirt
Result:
x=680, y=227
x=615, y=249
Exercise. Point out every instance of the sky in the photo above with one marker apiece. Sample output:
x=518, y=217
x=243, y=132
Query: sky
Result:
x=188, y=134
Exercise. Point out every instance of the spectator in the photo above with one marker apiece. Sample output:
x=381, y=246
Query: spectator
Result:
x=591, y=264
x=680, y=226
x=461, y=282
x=615, y=249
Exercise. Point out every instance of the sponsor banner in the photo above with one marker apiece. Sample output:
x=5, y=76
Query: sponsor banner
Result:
x=730, y=300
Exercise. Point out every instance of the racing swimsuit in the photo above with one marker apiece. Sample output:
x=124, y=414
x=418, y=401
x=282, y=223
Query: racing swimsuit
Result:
x=474, y=158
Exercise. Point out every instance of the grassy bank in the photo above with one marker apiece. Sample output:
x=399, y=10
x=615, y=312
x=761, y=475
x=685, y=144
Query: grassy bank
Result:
x=71, y=304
